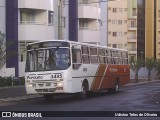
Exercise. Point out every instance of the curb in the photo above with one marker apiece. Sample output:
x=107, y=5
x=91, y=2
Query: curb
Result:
x=141, y=83
x=19, y=86
x=27, y=97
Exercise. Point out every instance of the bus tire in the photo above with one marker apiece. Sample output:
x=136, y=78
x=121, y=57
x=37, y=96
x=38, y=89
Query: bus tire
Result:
x=116, y=87
x=48, y=97
x=83, y=93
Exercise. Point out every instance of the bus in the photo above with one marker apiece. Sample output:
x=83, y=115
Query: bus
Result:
x=64, y=67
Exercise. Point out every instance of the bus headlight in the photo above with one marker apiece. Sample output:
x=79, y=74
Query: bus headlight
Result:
x=59, y=84
x=30, y=85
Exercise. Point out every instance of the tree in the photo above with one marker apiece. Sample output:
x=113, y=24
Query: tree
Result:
x=135, y=65
x=157, y=66
x=149, y=63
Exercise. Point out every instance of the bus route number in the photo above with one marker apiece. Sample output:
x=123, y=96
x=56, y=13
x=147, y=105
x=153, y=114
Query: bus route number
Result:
x=56, y=76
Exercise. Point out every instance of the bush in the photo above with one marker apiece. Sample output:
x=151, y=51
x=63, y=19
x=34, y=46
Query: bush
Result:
x=7, y=81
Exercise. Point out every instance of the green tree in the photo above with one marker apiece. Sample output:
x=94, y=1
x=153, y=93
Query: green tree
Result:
x=149, y=63
x=135, y=65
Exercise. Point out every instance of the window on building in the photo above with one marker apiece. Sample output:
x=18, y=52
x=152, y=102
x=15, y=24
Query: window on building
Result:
x=133, y=23
x=27, y=16
x=134, y=12
x=83, y=23
x=114, y=34
x=114, y=45
x=119, y=22
x=114, y=10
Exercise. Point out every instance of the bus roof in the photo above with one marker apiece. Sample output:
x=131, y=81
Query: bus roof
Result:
x=79, y=43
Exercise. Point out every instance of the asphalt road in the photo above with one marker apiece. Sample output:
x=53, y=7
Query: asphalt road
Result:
x=144, y=97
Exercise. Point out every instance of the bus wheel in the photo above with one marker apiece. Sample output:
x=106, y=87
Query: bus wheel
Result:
x=48, y=97
x=116, y=87
x=83, y=93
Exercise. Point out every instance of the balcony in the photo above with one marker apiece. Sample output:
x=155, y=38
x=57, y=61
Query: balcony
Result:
x=132, y=39
x=88, y=35
x=36, y=4
x=35, y=31
x=86, y=11
x=132, y=50
x=134, y=16
x=132, y=27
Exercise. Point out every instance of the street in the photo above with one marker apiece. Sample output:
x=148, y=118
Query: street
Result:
x=145, y=97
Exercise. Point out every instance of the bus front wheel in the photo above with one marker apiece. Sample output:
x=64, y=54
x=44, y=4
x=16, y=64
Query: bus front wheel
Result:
x=83, y=93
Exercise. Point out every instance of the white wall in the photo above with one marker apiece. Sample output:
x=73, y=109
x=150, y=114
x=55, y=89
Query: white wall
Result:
x=88, y=12
x=143, y=74
x=2, y=16
x=35, y=32
x=36, y=4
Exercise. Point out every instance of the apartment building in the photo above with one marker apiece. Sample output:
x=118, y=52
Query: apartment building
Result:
x=35, y=23
x=147, y=23
x=117, y=24
x=132, y=29
x=24, y=21
x=157, y=29
x=79, y=20
x=89, y=17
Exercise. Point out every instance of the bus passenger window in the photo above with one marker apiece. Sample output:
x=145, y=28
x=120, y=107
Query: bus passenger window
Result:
x=76, y=58
x=94, y=59
x=85, y=59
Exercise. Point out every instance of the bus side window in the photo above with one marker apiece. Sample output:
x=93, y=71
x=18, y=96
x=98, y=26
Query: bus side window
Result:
x=101, y=54
x=85, y=55
x=76, y=58
x=93, y=55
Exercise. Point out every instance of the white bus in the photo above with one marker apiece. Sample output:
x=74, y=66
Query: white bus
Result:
x=61, y=66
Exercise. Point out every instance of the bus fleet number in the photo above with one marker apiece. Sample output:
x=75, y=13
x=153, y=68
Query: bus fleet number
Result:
x=56, y=76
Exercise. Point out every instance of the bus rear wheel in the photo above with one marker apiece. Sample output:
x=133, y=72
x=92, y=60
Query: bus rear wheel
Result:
x=115, y=89
x=48, y=97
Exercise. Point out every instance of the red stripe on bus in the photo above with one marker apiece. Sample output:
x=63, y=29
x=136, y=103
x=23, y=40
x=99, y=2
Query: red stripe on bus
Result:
x=97, y=80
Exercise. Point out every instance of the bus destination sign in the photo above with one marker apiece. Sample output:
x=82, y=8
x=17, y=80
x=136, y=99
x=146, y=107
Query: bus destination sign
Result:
x=47, y=45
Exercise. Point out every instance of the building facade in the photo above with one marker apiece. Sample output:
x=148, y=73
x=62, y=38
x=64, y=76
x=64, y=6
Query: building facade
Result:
x=117, y=24
x=35, y=23
x=132, y=29
x=143, y=18
x=24, y=21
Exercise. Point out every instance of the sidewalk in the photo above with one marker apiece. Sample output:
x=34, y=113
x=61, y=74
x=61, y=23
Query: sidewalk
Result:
x=16, y=93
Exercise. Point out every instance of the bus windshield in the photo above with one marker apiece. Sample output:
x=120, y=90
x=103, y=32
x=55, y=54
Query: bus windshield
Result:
x=48, y=59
